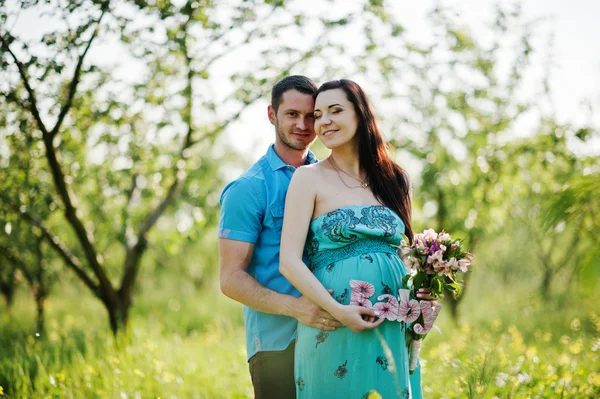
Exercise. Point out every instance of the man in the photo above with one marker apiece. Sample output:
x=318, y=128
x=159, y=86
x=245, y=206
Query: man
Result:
x=249, y=238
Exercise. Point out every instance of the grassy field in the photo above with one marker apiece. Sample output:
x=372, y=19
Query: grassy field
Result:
x=191, y=345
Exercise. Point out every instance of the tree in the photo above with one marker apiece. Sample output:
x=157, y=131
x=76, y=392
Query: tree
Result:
x=119, y=153
x=462, y=103
x=554, y=201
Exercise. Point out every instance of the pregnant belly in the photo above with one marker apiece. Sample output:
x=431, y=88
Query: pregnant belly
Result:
x=383, y=270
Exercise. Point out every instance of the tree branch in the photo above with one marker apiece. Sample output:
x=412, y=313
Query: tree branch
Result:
x=30, y=91
x=70, y=259
x=17, y=263
x=76, y=77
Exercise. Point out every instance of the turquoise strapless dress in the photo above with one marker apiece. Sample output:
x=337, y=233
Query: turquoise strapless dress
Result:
x=355, y=243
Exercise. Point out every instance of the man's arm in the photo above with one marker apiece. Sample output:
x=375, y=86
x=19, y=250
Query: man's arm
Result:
x=237, y=284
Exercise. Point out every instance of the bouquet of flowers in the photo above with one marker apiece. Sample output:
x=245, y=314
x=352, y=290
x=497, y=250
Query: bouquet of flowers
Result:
x=432, y=261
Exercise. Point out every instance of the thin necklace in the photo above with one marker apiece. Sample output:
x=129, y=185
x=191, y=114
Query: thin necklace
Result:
x=363, y=184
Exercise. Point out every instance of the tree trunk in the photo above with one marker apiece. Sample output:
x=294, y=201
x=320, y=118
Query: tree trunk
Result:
x=454, y=303
x=118, y=315
x=8, y=292
x=546, y=282
x=40, y=300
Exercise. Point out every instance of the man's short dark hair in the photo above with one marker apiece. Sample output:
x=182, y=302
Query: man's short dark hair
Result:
x=294, y=82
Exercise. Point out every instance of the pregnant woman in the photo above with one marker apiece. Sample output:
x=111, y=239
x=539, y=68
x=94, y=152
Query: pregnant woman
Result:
x=353, y=207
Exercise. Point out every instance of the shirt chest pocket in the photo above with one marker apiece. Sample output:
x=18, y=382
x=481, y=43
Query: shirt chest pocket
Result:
x=276, y=211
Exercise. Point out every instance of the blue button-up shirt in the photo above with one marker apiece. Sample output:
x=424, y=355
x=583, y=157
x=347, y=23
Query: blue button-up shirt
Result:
x=252, y=211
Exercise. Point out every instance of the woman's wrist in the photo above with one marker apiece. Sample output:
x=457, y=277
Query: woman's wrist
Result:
x=335, y=309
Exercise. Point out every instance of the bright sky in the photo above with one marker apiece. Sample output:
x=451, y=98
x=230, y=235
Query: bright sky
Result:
x=575, y=77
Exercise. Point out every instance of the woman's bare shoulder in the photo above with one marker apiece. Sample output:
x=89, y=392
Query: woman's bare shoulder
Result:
x=313, y=171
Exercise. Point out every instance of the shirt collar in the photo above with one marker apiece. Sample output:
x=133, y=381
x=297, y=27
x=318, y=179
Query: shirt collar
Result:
x=276, y=163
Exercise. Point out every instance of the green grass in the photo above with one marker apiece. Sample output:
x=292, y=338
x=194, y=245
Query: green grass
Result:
x=185, y=344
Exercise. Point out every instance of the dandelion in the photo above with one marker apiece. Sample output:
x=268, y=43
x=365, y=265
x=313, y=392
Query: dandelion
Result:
x=575, y=324
x=575, y=348
x=1, y=390
x=496, y=324
x=593, y=379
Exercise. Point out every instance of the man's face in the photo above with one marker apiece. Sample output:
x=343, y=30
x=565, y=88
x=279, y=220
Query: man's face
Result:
x=294, y=121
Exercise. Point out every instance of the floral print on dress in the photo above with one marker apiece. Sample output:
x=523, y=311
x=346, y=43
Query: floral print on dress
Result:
x=367, y=257
x=312, y=244
x=379, y=217
x=335, y=224
x=382, y=361
x=341, y=370
x=321, y=337
x=386, y=289
x=343, y=296
x=361, y=369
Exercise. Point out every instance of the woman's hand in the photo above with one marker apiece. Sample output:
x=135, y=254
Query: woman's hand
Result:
x=357, y=318
x=424, y=294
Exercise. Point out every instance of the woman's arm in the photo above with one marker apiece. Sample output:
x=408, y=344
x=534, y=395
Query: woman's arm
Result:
x=299, y=207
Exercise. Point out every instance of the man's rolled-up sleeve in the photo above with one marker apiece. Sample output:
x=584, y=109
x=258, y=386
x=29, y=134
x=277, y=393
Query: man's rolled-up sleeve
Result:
x=242, y=211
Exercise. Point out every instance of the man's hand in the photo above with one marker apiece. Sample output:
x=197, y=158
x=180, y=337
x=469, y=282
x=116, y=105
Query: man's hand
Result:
x=313, y=316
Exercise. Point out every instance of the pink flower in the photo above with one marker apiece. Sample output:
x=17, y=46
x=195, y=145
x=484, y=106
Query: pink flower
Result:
x=454, y=245
x=408, y=309
x=442, y=268
x=429, y=269
x=387, y=310
x=362, y=288
x=422, y=248
x=436, y=257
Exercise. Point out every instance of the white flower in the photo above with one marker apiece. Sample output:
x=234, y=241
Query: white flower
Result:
x=443, y=237
x=406, y=250
x=453, y=264
x=501, y=379
x=463, y=265
x=430, y=235
x=411, y=264
x=523, y=378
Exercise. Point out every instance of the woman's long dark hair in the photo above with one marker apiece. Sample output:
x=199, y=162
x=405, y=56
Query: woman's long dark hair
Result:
x=388, y=181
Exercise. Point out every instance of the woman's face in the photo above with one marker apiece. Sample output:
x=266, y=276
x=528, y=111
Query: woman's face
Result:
x=335, y=119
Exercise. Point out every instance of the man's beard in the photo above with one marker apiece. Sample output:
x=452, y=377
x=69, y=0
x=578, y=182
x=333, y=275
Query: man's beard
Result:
x=288, y=141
